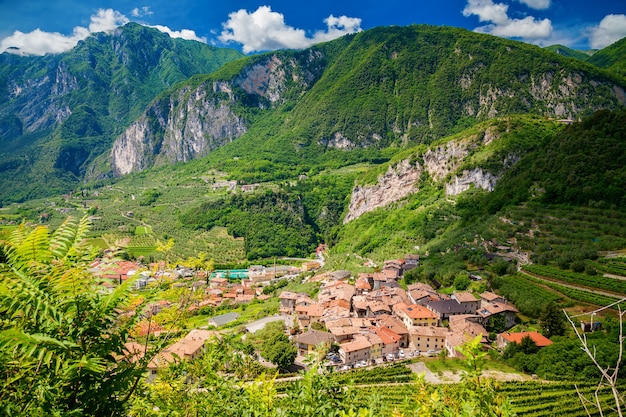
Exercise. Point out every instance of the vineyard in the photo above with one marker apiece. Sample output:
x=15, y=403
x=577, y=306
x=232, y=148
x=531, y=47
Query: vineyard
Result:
x=612, y=285
x=576, y=294
x=613, y=266
x=528, y=398
x=529, y=297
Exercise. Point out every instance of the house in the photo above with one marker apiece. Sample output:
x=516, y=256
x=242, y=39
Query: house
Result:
x=415, y=315
x=425, y=338
x=362, y=285
x=218, y=282
x=470, y=303
x=309, y=314
x=355, y=351
x=389, y=339
x=397, y=326
x=503, y=339
x=410, y=262
x=189, y=347
x=420, y=293
x=446, y=308
x=288, y=301
x=376, y=308
x=223, y=319
x=308, y=341
x=376, y=350
x=336, y=291
x=489, y=297
x=487, y=312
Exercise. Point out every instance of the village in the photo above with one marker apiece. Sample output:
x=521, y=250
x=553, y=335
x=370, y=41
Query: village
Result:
x=362, y=320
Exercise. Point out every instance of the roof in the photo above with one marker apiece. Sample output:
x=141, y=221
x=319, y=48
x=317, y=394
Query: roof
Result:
x=539, y=339
x=359, y=343
x=224, y=318
x=415, y=311
x=446, y=307
x=464, y=297
x=314, y=337
x=495, y=308
x=430, y=331
x=387, y=336
x=313, y=310
x=489, y=296
x=394, y=324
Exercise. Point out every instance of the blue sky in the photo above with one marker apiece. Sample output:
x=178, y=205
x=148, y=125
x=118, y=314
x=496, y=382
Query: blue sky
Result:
x=52, y=26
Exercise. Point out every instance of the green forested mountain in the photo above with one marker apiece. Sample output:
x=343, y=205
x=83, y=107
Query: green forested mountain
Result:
x=613, y=58
x=359, y=98
x=59, y=112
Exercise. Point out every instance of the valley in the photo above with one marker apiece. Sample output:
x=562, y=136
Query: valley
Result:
x=398, y=190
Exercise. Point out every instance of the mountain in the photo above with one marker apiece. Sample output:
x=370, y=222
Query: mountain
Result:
x=366, y=94
x=613, y=58
x=110, y=106
x=58, y=113
x=571, y=53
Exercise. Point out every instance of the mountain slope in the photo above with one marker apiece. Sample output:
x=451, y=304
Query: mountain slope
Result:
x=613, y=58
x=59, y=112
x=380, y=89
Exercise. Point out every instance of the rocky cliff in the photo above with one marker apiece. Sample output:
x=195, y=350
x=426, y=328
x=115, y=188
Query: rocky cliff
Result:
x=194, y=120
x=449, y=164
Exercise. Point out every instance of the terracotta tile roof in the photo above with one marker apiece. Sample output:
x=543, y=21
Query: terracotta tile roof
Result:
x=539, y=339
x=415, y=311
x=357, y=344
x=464, y=297
x=387, y=336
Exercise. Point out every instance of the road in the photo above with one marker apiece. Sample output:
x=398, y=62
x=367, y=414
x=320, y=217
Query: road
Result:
x=259, y=324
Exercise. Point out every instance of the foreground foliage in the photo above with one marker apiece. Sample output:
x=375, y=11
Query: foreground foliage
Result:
x=61, y=338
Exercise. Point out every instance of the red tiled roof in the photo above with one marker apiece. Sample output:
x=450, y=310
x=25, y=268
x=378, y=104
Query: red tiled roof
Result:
x=539, y=339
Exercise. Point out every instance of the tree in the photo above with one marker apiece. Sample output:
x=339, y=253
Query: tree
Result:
x=552, y=320
x=279, y=350
x=61, y=338
x=462, y=282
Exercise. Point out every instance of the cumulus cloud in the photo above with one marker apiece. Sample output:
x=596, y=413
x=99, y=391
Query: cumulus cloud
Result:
x=264, y=30
x=500, y=24
x=39, y=42
x=612, y=28
x=537, y=4
x=188, y=34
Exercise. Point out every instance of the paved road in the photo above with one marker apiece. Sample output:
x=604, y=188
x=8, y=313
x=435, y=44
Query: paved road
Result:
x=259, y=324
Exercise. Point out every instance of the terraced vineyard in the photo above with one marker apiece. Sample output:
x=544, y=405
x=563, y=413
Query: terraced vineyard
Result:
x=612, y=285
x=576, y=294
x=529, y=398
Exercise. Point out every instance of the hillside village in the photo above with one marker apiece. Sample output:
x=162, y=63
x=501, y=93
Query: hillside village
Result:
x=362, y=321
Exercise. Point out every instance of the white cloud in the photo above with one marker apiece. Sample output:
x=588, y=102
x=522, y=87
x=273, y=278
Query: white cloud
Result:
x=501, y=24
x=612, y=28
x=39, y=42
x=140, y=12
x=537, y=4
x=184, y=33
x=264, y=30
x=106, y=21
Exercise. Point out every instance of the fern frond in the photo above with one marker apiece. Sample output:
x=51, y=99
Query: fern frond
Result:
x=33, y=249
x=63, y=238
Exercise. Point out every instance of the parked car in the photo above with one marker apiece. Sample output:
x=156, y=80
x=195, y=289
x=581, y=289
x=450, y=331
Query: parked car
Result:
x=401, y=354
x=390, y=357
